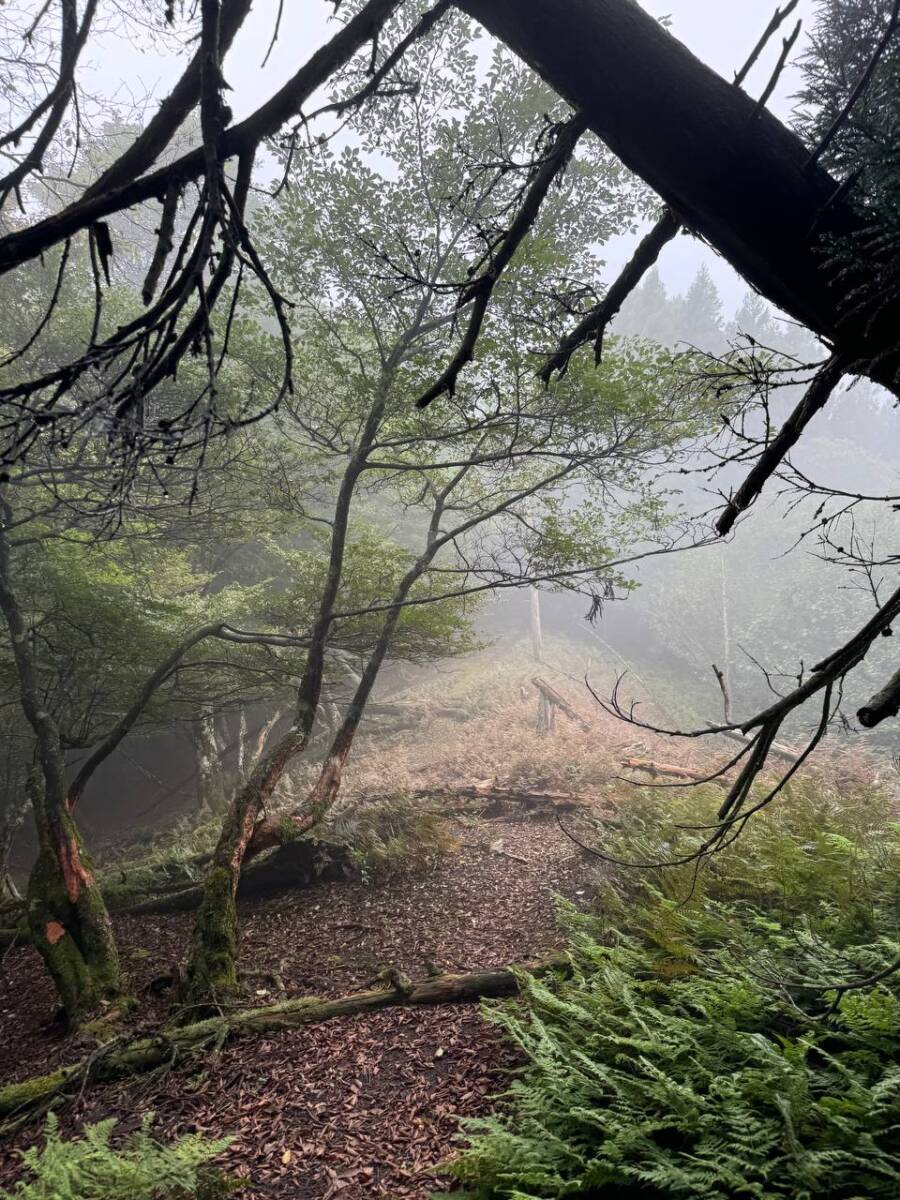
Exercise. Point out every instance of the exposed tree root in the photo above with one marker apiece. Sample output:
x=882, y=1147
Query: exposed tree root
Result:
x=20, y=1102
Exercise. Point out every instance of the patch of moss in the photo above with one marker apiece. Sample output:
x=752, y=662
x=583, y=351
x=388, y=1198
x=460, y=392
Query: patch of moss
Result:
x=212, y=977
x=29, y=1092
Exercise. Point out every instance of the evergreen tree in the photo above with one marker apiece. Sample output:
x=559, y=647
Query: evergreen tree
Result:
x=700, y=311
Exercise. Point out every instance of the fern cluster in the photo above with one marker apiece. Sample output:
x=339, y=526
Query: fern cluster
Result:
x=90, y=1168
x=697, y=1050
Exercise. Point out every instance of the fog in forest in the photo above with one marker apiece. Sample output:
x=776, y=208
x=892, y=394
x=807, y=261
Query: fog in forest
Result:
x=448, y=589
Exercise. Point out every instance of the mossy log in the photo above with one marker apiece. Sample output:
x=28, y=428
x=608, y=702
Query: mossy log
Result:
x=173, y=1045
x=9, y=938
x=294, y=865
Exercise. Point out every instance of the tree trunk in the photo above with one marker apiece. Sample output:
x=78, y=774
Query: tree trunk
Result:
x=328, y=785
x=14, y=812
x=546, y=719
x=730, y=170
x=537, y=636
x=208, y=765
x=211, y=975
x=67, y=918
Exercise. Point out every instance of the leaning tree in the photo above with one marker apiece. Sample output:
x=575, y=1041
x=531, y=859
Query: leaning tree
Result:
x=808, y=218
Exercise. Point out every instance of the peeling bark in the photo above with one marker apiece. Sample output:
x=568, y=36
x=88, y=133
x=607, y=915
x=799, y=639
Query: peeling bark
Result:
x=68, y=922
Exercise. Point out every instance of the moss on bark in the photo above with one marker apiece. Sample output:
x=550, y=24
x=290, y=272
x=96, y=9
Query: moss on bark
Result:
x=73, y=937
x=212, y=974
x=173, y=1045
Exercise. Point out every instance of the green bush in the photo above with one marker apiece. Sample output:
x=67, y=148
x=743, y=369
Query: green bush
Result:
x=89, y=1168
x=697, y=1050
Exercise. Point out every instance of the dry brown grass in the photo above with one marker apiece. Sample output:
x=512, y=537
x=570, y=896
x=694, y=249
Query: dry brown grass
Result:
x=500, y=743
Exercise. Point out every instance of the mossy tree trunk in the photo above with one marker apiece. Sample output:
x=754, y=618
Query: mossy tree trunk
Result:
x=67, y=917
x=211, y=976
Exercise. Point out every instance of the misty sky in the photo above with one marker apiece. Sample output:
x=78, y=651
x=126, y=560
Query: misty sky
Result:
x=721, y=32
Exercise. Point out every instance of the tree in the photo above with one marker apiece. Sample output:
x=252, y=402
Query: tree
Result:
x=102, y=622
x=739, y=178
x=508, y=484
x=748, y=185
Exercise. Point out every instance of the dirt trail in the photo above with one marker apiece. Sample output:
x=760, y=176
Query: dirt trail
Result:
x=356, y=1108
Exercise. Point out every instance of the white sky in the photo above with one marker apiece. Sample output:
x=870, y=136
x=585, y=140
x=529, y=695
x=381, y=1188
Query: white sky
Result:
x=721, y=32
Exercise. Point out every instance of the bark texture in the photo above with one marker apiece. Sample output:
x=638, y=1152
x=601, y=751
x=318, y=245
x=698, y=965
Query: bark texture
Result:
x=211, y=976
x=729, y=169
x=68, y=922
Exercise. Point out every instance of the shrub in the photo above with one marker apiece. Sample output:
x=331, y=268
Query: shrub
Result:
x=90, y=1168
x=697, y=1050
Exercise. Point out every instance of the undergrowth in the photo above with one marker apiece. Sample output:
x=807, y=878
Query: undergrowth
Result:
x=700, y=1048
x=390, y=835
x=381, y=836
x=91, y=1168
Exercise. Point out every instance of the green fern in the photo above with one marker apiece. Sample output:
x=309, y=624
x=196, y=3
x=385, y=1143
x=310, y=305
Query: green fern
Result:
x=90, y=1168
x=687, y=1055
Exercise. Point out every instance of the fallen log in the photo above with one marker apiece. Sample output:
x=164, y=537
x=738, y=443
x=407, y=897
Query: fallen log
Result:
x=295, y=864
x=304, y=860
x=669, y=770
x=777, y=748
x=174, y=1044
x=419, y=712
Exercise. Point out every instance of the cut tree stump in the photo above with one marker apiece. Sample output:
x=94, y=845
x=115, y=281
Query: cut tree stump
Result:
x=20, y=1102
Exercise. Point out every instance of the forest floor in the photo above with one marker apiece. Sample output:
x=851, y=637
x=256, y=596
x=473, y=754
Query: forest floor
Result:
x=368, y=1106
x=363, y=1106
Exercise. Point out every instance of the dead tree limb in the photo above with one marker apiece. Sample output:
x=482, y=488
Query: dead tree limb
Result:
x=726, y=696
x=669, y=770
x=817, y=396
x=173, y=1045
x=559, y=701
x=593, y=324
x=882, y=705
x=479, y=292
x=746, y=185
x=778, y=749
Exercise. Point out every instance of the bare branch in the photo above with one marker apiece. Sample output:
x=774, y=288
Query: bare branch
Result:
x=593, y=324
x=481, y=290
x=817, y=396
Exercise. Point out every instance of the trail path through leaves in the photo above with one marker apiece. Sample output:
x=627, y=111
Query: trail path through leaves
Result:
x=355, y=1108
